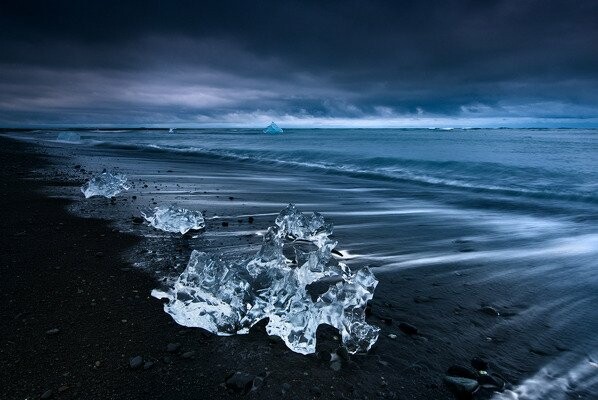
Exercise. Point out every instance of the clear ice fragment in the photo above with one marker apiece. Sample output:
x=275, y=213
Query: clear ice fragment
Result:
x=69, y=137
x=175, y=219
x=227, y=297
x=105, y=184
x=273, y=128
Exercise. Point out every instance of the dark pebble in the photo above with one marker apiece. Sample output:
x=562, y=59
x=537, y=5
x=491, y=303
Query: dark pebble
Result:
x=250, y=220
x=135, y=362
x=137, y=220
x=408, y=328
x=343, y=354
x=231, y=198
x=47, y=394
x=52, y=331
x=491, y=382
x=285, y=387
x=462, y=372
x=99, y=254
x=240, y=382
x=224, y=223
x=188, y=354
x=172, y=347
x=324, y=356
x=479, y=364
x=167, y=360
x=490, y=311
x=461, y=386
x=148, y=365
x=77, y=166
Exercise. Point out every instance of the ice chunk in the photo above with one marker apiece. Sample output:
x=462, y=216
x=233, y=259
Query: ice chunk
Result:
x=69, y=137
x=175, y=219
x=171, y=130
x=273, y=128
x=227, y=297
x=105, y=184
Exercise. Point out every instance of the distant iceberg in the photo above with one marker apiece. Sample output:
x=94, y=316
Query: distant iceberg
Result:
x=175, y=219
x=229, y=296
x=273, y=128
x=69, y=137
x=105, y=184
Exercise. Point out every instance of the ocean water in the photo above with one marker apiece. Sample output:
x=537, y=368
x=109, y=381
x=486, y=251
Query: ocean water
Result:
x=450, y=220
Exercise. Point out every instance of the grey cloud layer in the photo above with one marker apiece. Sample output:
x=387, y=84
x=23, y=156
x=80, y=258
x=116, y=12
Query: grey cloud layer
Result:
x=126, y=62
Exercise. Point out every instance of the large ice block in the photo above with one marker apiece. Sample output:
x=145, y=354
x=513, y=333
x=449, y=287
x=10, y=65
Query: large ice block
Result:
x=105, y=184
x=228, y=297
x=175, y=219
x=273, y=128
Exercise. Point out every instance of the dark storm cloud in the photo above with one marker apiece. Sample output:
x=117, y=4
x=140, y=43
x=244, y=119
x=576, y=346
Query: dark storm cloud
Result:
x=244, y=62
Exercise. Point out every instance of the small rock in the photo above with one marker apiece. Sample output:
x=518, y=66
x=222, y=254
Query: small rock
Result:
x=324, y=356
x=386, y=319
x=461, y=386
x=240, y=382
x=250, y=220
x=97, y=364
x=408, y=328
x=52, y=331
x=135, y=362
x=462, y=372
x=491, y=382
x=479, y=364
x=167, y=360
x=47, y=394
x=336, y=365
x=286, y=387
x=343, y=354
x=148, y=365
x=224, y=223
x=490, y=311
x=137, y=220
x=172, y=347
x=188, y=354
x=62, y=388
x=99, y=254
x=392, y=336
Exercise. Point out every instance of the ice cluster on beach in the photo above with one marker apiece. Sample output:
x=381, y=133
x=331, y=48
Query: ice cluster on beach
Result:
x=226, y=297
x=105, y=184
x=69, y=137
x=175, y=219
x=273, y=128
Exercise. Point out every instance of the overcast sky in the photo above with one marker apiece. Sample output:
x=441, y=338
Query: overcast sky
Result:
x=300, y=63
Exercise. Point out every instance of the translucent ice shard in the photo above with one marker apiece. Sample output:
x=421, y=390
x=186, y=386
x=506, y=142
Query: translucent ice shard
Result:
x=105, y=184
x=70, y=137
x=226, y=297
x=273, y=128
x=175, y=219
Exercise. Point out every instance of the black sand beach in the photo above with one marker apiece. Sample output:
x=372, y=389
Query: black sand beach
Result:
x=79, y=322
x=74, y=314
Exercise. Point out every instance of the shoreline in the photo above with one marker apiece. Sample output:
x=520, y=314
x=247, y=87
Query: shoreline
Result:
x=443, y=296
x=76, y=314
